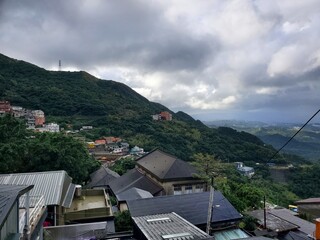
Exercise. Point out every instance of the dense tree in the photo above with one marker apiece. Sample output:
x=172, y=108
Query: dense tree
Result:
x=122, y=221
x=21, y=151
x=123, y=165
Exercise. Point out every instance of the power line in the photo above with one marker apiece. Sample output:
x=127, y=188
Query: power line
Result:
x=294, y=135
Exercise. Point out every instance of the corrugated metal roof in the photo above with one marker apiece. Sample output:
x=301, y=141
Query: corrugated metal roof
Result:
x=52, y=185
x=168, y=226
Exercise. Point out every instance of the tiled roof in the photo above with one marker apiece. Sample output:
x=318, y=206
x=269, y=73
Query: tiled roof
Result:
x=308, y=200
x=165, y=166
x=192, y=207
x=168, y=226
x=132, y=194
x=274, y=222
x=102, y=177
x=285, y=214
x=133, y=178
x=8, y=196
x=52, y=185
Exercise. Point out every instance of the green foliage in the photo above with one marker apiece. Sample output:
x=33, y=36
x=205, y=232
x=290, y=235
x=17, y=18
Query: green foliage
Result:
x=304, y=180
x=122, y=165
x=122, y=221
x=54, y=151
x=22, y=152
x=248, y=223
x=207, y=166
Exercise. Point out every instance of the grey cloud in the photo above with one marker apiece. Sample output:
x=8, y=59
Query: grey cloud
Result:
x=139, y=36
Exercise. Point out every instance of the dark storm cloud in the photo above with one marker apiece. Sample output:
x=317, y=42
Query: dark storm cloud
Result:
x=205, y=57
x=127, y=33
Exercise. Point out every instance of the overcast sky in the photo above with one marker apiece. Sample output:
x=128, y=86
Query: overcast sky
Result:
x=215, y=59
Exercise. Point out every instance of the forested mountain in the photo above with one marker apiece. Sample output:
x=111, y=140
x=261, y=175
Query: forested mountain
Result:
x=306, y=144
x=75, y=98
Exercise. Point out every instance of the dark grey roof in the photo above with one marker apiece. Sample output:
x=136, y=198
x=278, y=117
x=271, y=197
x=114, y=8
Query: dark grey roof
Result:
x=168, y=226
x=309, y=201
x=102, y=177
x=132, y=194
x=8, y=196
x=304, y=226
x=274, y=223
x=192, y=207
x=295, y=235
x=134, y=178
x=52, y=185
x=165, y=166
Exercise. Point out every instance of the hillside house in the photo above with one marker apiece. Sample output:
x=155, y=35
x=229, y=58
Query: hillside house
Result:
x=244, y=170
x=283, y=224
x=18, y=112
x=309, y=207
x=5, y=107
x=159, y=174
x=166, y=116
x=175, y=176
x=21, y=215
x=136, y=151
x=39, y=117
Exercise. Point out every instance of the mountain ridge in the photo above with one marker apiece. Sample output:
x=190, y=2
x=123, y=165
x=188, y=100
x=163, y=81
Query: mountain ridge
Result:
x=116, y=109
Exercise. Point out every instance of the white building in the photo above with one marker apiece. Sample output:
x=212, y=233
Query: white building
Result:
x=52, y=127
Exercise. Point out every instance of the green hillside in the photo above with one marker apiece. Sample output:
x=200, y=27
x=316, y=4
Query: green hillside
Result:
x=115, y=109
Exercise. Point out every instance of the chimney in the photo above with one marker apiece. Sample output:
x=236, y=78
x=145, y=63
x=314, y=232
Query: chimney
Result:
x=317, y=232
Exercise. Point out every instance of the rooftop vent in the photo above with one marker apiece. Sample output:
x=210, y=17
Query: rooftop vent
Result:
x=177, y=235
x=158, y=220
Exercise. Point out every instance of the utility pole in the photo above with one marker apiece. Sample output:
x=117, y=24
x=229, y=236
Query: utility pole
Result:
x=264, y=213
x=210, y=207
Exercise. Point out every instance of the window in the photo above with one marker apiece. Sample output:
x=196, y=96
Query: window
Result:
x=188, y=189
x=177, y=190
x=199, y=188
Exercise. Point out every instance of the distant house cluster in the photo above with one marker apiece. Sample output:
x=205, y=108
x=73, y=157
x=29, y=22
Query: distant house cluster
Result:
x=35, y=119
x=111, y=148
x=165, y=116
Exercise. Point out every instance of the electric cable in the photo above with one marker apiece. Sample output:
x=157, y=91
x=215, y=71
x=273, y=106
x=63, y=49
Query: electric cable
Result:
x=294, y=135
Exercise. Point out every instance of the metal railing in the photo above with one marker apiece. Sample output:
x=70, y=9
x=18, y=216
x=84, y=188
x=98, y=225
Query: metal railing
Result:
x=37, y=205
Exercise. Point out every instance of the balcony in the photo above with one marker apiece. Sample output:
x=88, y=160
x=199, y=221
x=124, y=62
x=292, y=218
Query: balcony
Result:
x=36, y=210
x=88, y=205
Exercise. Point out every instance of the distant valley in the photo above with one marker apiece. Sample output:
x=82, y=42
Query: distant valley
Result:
x=305, y=144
